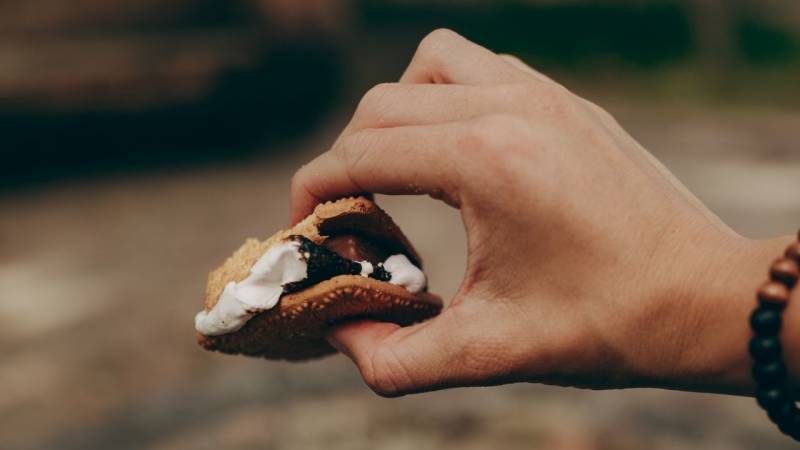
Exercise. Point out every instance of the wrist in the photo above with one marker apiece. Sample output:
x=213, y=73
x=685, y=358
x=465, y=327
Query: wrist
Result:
x=721, y=361
x=704, y=324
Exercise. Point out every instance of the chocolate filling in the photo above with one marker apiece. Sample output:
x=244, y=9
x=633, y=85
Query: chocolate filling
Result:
x=323, y=263
x=356, y=248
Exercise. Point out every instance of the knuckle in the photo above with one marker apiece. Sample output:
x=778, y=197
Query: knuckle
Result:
x=300, y=179
x=549, y=101
x=601, y=112
x=371, y=379
x=494, y=132
x=378, y=92
x=528, y=89
x=551, y=94
x=557, y=101
x=496, y=144
x=439, y=37
x=527, y=94
x=342, y=151
x=388, y=375
x=436, y=42
x=374, y=101
x=351, y=150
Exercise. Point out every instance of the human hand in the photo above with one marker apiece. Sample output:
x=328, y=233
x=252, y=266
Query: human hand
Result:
x=589, y=264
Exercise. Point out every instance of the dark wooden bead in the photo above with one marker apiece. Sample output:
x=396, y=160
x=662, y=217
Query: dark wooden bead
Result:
x=770, y=397
x=773, y=292
x=763, y=348
x=769, y=372
x=793, y=252
x=785, y=271
x=766, y=321
x=782, y=412
x=777, y=307
x=792, y=426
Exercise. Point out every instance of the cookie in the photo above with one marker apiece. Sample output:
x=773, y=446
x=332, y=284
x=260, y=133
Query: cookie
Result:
x=294, y=328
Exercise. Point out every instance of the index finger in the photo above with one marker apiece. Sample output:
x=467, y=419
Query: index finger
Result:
x=401, y=160
x=446, y=57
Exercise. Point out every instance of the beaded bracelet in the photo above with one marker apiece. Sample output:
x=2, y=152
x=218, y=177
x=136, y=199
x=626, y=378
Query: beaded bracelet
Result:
x=769, y=370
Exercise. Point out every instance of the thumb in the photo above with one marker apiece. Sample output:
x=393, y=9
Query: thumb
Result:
x=395, y=361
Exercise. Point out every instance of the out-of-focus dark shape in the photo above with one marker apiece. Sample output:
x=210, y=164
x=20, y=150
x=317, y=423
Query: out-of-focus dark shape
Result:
x=110, y=84
x=566, y=33
x=99, y=280
x=640, y=32
x=100, y=85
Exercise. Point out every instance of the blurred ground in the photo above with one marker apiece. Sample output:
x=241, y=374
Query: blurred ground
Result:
x=103, y=257
x=101, y=280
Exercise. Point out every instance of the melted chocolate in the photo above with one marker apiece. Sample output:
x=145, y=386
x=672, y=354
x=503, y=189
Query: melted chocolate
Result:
x=356, y=248
x=323, y=263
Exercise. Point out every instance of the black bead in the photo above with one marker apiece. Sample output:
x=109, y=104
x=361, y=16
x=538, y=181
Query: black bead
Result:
x=766, y=321
x=782, y=412
x=772, y=306
x=767, y=372
x=791, y=425
x=764, y=348
x=770, y=397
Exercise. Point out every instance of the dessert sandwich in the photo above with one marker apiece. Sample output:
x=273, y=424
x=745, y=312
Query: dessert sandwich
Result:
x=277, y=298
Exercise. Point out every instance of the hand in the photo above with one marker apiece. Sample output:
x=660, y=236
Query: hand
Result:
x=589, y=263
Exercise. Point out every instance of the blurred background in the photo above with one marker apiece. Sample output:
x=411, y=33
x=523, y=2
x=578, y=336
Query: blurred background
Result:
x=141, y=142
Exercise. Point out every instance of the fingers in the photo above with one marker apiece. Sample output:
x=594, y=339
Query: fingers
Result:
x=411, y=161
x=444, y=56
x=401, y=160
x=393, y=104
x=395, y=361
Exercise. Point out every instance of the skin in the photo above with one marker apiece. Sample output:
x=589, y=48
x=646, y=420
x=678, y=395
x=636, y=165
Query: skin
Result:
x=589, y=264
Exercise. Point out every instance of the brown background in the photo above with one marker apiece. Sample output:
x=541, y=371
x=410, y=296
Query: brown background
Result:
x=145, y=140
